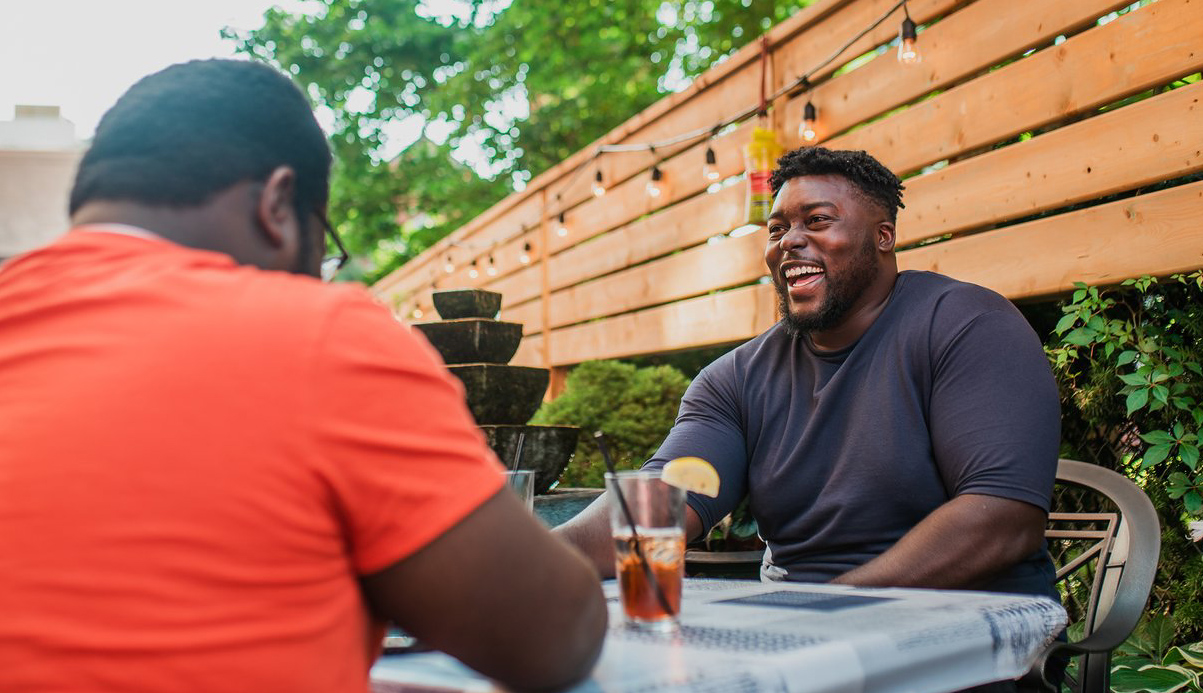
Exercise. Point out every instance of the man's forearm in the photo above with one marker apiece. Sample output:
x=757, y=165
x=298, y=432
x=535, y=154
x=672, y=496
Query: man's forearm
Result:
x=589, y=532
x=962, y=544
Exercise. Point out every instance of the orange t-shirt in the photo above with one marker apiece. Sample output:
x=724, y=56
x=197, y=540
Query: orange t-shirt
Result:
x=197, y=462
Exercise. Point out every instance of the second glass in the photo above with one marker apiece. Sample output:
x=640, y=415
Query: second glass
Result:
x=522, y=482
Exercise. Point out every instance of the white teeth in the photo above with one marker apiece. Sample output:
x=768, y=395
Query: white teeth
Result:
x=799, y=271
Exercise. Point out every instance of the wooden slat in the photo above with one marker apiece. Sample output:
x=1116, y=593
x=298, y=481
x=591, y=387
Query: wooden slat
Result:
x=687, y=324
x=680, y=226
x=1142, y=49
x=963, y=44
x=708, y=267
x=1157, y=139
x=1155, y=234
x=530, y=352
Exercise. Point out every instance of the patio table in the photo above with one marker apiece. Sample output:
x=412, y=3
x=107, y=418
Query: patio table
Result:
x=801, y=638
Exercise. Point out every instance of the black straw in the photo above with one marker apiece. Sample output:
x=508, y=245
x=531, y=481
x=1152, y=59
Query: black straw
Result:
x=626, y=511
x=518, y=453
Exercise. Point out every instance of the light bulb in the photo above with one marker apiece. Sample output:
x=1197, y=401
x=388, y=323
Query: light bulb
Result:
x=710, y=170
x=449, y=266
x=655, y=185
x=907, y=53
x=806, y=130
x=473, y=273
x=418, y=313
x=599, y=188
x=561, y=227
x=524, y=258
x=491, y=270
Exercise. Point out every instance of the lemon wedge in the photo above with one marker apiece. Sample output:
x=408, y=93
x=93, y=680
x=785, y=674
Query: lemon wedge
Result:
x=692, y=474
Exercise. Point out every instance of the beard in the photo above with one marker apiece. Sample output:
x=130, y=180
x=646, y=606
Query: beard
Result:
x=842, y=292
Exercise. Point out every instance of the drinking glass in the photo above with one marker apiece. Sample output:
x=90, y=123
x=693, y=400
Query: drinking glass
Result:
x=649, y=563
x=522, y=482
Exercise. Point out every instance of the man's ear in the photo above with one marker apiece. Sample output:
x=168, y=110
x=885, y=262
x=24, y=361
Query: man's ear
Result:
x=885, y=236
x=275, y=210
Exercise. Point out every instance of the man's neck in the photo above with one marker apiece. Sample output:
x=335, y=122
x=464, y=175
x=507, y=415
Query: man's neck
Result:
x=861, y=315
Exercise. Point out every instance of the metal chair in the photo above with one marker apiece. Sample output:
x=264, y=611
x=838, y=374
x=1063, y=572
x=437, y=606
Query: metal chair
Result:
x=1105, y=538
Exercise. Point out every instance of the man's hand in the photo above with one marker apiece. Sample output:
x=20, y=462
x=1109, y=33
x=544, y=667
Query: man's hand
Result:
x=589, y=532
x=501, y=594
x=962, y=544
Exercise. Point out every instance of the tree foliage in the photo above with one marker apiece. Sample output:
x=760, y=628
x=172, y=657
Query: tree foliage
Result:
x=495, y=93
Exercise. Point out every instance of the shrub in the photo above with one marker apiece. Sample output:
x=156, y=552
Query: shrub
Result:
x=633, y=406
x=1128, y=364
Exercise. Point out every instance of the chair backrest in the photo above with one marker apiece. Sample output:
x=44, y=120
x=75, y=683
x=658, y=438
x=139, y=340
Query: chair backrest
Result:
x=1105, y=539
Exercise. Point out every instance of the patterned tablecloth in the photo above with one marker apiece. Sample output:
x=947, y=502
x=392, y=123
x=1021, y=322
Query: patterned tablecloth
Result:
x=798, y=638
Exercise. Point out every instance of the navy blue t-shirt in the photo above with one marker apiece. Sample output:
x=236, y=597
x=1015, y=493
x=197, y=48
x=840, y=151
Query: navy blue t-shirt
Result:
x=841, y=453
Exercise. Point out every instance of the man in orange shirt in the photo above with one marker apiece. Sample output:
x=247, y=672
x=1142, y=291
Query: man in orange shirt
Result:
x=218, y=473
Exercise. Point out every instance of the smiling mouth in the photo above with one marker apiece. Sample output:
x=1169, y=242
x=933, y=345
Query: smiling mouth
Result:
x=798, y=276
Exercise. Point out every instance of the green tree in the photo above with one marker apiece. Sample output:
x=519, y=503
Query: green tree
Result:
x=497, y=92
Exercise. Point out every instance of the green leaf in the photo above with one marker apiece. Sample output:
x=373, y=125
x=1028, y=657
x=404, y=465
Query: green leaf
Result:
x=1079, y=295
x=1136, y=400
x=1155, y=455
x=1162, y=394
x=1157, y=437
x=1067, y=321
x=1133, y=379
x=1190, y=455
x=1193, y=502
x=1081, y=336
x=1151, y=678
x=1192, y=654
x=1096, y=323
x=1125, y=358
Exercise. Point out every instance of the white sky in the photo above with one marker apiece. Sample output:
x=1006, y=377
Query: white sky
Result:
x=82, y=54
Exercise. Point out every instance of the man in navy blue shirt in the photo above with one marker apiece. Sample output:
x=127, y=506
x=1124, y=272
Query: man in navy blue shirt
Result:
x=894, y=428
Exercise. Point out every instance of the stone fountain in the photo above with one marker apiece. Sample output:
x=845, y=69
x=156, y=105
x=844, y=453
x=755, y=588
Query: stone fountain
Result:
x=477, y=349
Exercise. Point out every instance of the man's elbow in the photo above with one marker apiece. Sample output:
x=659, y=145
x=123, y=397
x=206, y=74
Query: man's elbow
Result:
x=570, y=653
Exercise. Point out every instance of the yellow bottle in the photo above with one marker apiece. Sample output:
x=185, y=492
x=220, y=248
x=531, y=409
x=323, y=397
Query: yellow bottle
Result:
x=762, y=153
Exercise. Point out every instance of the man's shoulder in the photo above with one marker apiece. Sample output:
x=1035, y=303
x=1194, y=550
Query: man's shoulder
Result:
x=948, y=293
x=751, y=357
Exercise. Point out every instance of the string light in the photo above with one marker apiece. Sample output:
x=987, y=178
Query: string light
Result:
x=561, y=227
x=655, y=186
x=807, y=129
x=907, y=53
x=524, y=258
x=449, y=266
x=492, y=269
x=418, y=313
x=473, y=273
x=710, y=170
x=599, y=188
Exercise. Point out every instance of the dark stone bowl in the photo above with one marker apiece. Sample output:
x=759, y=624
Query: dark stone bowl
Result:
x=453, y=304
x=473, y=340
x=499, y=394
x=546, y=449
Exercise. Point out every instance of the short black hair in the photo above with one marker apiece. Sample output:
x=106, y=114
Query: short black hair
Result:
x=878, y=184
x=186, y=133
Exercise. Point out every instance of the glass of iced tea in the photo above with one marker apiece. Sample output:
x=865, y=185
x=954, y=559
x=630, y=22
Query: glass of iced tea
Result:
x=650, y=561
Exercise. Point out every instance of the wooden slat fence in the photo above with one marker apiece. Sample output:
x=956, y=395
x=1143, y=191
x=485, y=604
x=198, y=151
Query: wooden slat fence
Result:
x=1022, y=118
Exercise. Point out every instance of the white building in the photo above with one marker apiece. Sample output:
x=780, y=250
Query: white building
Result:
x=39, y=154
